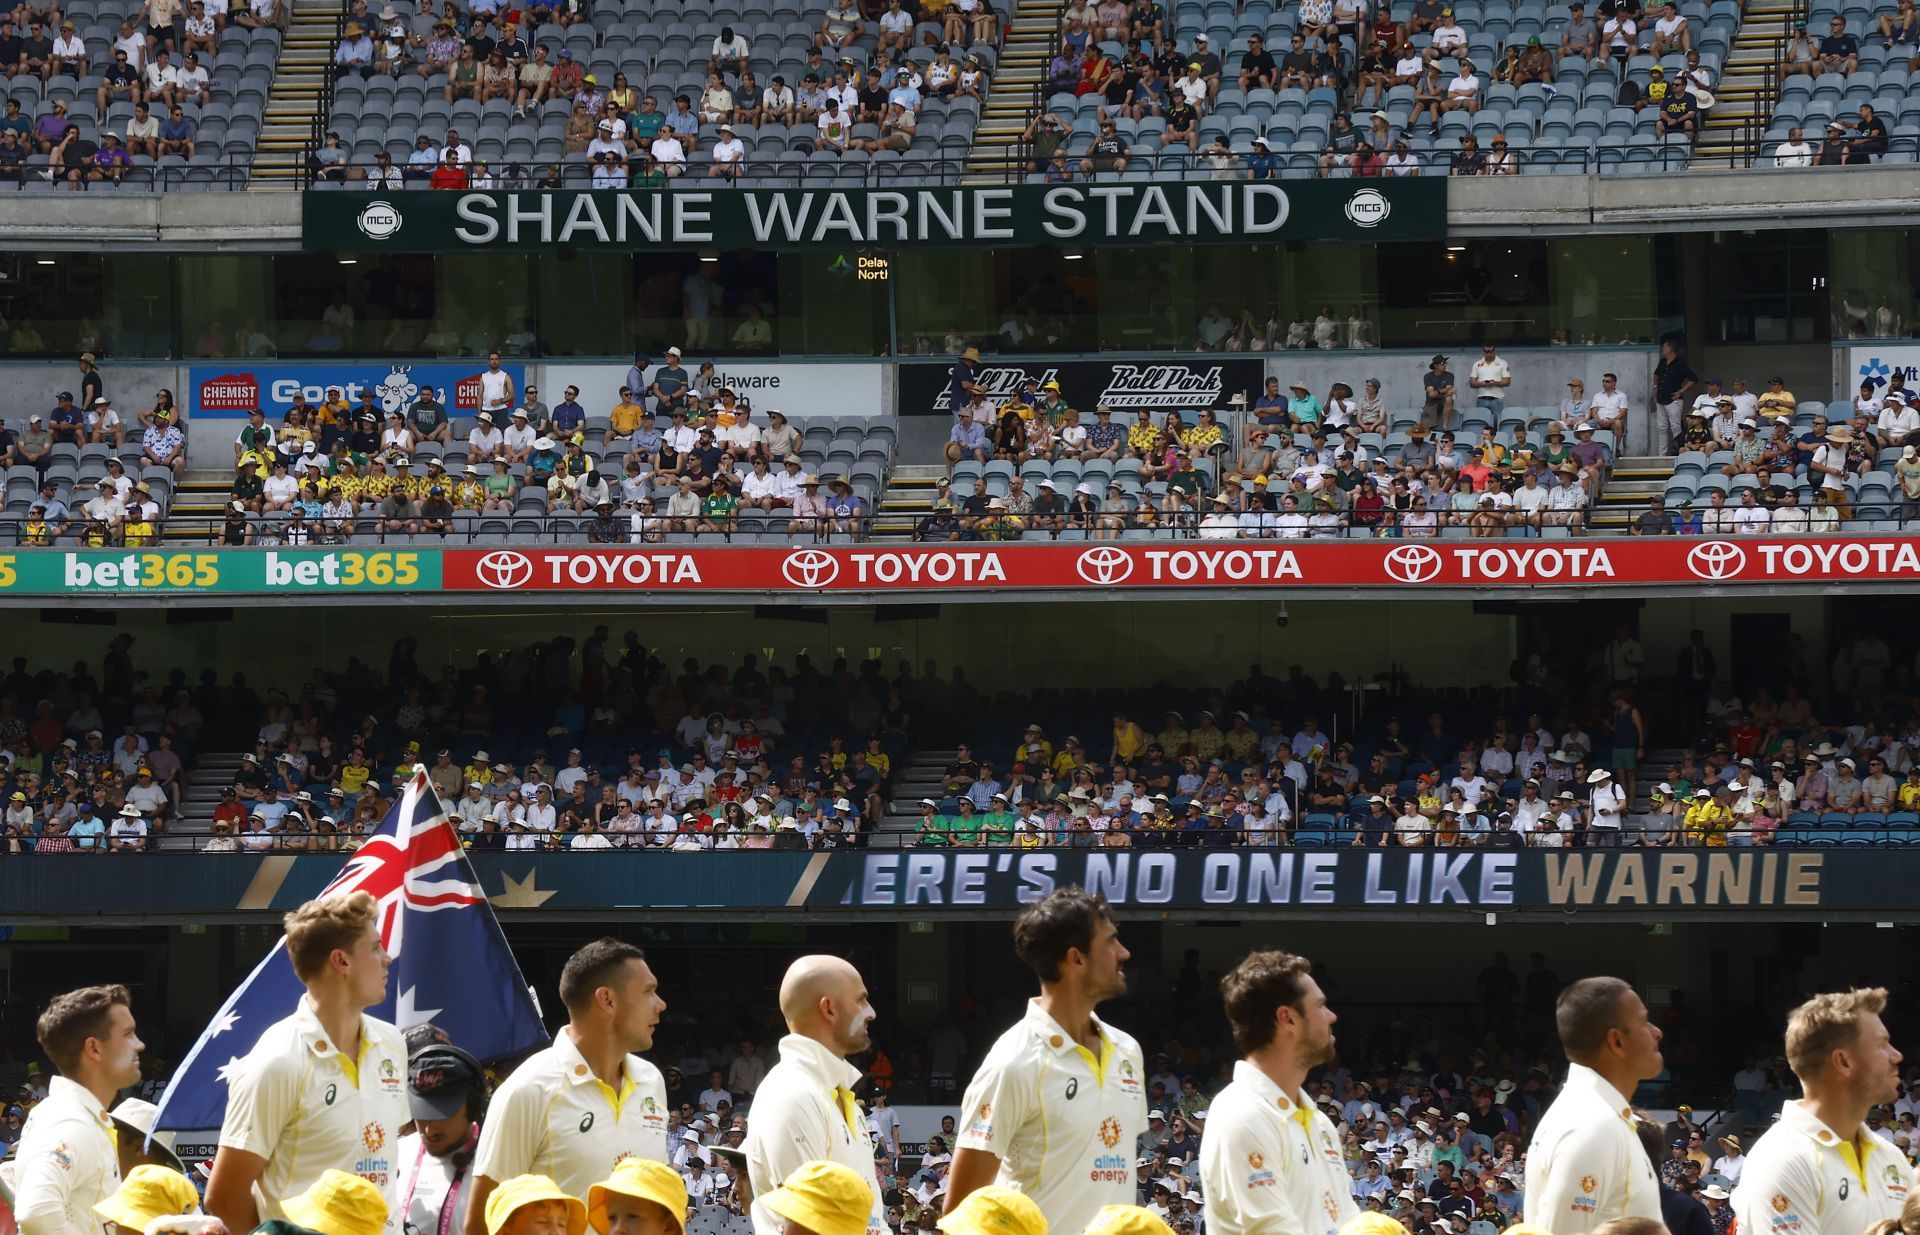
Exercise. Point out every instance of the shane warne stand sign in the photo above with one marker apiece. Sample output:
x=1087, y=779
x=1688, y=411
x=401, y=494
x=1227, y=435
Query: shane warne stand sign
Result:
x=958, y=571
x=736, y=219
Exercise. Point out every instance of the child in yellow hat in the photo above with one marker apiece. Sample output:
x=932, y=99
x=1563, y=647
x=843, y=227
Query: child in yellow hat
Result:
x=534, y=1205
x=148, y=1192
x=642, y=1197
x=334, y=1204
x=1126, y=1220
x=1000, y=1210
x=821, y=1198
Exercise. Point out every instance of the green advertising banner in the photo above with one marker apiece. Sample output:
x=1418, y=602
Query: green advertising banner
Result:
x=1199, y=212
x=122, y=572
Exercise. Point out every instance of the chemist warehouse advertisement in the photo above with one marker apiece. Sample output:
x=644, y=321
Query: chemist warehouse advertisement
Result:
x=802, y=391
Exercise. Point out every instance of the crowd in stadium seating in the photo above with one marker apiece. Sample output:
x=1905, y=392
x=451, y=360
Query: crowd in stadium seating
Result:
x=632, y=754
x=94, y=763
x=665, y=460
x=1307, y=466
x=554, y=95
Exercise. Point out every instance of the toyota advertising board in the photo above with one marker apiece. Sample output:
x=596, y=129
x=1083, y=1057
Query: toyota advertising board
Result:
x=1159, y=386
x=963, y=571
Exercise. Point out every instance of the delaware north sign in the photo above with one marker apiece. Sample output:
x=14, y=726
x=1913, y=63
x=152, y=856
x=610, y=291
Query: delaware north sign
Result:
x=1201, y=212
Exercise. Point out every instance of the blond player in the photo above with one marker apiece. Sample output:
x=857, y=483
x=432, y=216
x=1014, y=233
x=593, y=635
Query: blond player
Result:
x=1820, y=1170
x=804, y=1110
x=1585, y=1165
x=66, y=1163
x=324, y=1088
x=1270, y=1162
x=1060, y=1101
x=575, y=1110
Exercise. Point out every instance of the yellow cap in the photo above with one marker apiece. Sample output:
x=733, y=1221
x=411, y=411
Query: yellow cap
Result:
x=1126, y=1220
x=824, y=1197
x=642, y=1179
x=999, y=1210
x=1372, y=1224
x=528, y=1190
x=149, y=1192
x=338, y=1204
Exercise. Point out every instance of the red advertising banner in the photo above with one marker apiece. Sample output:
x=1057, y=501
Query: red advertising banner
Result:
x=1109, y=566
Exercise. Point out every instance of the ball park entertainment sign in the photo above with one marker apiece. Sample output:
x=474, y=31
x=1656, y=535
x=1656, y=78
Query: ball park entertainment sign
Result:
x=1201, y=212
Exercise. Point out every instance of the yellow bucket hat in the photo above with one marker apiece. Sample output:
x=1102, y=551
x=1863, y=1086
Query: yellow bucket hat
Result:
x=1126, y=1220
x=998, y=1210
x=645, y=1180
x=824, y=1197
x=1372, y=1224
x=338, y=1204
x=149, y=1192
x=528, y=1190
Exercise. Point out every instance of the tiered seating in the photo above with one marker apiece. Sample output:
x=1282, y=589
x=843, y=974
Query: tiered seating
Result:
x=1882, y=80
x=1874, y=498
x=662, y=48
x=240, y=71
x=1571, y=127
x=1823, y=828
x=75, y=471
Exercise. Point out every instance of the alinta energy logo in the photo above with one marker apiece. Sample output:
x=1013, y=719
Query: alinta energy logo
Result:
x=504, y=569
x=810, y=568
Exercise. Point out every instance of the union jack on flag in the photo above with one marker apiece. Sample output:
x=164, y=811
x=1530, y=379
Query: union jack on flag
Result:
x=451, y=963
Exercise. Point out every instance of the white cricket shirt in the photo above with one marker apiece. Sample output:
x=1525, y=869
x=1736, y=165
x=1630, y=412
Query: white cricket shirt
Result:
x=1062, y=1122
x=804, y=1112
x=65, y=1163
x=1270, y=1162
x=1585, y=1165
x=554, y=1117
x=1800, y=1179
x=296, y=1101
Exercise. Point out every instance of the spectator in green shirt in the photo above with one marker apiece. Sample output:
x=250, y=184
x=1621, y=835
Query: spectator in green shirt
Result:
x=720, y=509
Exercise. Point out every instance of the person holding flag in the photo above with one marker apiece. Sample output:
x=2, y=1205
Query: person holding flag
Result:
x=1061, y=1100
x=323, y=1088
x=804, y=1110
x=575, y=1110
x=1270, y=1161
x=67, y=1162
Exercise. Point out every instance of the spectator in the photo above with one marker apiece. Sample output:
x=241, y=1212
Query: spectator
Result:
x=1839, y=51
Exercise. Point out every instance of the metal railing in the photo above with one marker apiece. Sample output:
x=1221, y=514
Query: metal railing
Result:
x=229, y=173
x=754, y=528
x=1342, y=835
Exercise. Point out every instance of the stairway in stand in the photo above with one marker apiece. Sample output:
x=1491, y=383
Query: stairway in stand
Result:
x=1634, y=480
x=198, y=505
x=300, y=84
x=1029, y=42
x=1743, y=97
x=212, y=772
x=908, y=499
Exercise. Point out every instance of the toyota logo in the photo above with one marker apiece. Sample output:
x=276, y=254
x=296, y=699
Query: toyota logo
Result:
x=1714, y=560
x=1105, y=567
x=503, y=569
x=810, y=568
x=1412, y=563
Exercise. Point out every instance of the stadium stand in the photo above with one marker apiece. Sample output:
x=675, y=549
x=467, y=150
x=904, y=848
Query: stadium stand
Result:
x=1858, y=108
x=218, y=72
x=1555, y=114
x=629, y=54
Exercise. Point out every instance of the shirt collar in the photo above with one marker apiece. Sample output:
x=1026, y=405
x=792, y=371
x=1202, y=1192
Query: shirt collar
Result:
x=1795, y=1115
x=1057, y=1039
x=579, y=1072
x=817, y=1062
x=314, y=1034
x=76, y=1092
x=1585, y=1080
x=1253, y=1078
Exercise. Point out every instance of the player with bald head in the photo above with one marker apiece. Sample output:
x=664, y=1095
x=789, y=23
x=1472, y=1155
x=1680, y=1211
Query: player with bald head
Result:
x=804, y=1111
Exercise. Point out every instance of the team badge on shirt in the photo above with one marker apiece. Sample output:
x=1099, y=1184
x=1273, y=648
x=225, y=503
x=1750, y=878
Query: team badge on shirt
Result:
x=1586, y=1200
x=63, y=1156
x=982, y=1124
x=389, y=1076
x=1256, y=1160
x=1780, y=1202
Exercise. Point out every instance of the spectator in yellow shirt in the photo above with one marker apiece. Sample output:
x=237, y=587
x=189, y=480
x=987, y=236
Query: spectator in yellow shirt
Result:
x=1142, y=432
x=138, y=532
x=1129, y=739
x=1910, y=790
x=1776, y=401
x=624, y=418
x=1707, y=820
x=1036, y=750
x=37, y=532
x=1174, y=739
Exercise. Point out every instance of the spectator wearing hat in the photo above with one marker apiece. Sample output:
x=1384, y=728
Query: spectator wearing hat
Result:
x=447, y=1090
x=148, y=1193
x=1438, y=382
x=641, y=1197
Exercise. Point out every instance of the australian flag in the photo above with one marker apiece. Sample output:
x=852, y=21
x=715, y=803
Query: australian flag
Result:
x=451, y=964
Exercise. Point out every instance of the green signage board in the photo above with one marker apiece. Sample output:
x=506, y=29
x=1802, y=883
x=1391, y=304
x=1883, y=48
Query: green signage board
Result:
x=1095, y=213
x=122, y=572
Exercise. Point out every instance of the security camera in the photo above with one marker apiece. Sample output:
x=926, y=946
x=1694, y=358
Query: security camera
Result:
x=1280, y=617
